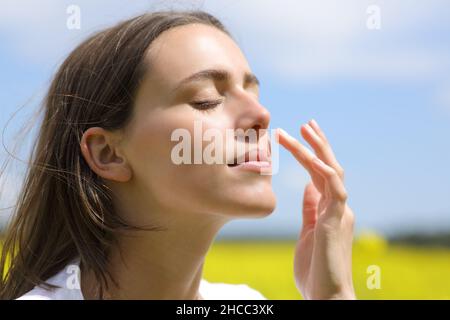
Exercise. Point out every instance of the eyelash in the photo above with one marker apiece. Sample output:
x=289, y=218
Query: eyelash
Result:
x=206, y=105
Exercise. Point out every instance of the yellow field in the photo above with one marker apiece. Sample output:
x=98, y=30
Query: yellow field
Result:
x=405, y=272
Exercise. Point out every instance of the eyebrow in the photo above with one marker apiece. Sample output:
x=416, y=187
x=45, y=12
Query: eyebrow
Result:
x=216, y=75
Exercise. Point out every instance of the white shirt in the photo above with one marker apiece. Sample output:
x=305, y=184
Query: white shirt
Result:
x=68, y=282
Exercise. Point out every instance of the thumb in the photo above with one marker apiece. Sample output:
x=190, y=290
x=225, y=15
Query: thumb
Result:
x=311, y=197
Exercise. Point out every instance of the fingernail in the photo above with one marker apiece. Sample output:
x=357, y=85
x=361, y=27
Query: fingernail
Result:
x=284, y=133
x=314, y=122
x=277, y=134
x=309, y=128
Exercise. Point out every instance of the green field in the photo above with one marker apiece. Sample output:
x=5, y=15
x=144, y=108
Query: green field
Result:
x=405, y=272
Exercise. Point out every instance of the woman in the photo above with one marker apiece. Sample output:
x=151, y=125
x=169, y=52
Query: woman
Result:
x=103, y=197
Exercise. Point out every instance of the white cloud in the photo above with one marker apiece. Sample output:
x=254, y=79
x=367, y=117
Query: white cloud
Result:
x=294, y=39
x=393, y=66
x=38, y=31
x=315, y=40
x=33, y=32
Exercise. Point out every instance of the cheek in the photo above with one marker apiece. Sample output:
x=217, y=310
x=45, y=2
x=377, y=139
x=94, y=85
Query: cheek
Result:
x=185, y=185
x=193, y=187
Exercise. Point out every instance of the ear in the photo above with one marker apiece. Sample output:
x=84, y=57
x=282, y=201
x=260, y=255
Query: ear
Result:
x=103, y=154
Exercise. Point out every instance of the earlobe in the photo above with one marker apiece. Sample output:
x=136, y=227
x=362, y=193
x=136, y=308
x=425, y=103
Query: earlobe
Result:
x=102, y=156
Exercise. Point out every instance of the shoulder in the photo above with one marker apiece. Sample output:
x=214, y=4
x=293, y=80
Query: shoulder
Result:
x=67, y=286
x=37, y=293
x=60, y=293
x=226, y=291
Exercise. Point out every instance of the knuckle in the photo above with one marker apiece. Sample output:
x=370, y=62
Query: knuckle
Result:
x=334, y=173
x=350, y=216
x=340, y=172
x=341, y=195
x=320, y=144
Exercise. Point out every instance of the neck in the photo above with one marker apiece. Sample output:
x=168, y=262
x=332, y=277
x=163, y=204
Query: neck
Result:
x=166, y=264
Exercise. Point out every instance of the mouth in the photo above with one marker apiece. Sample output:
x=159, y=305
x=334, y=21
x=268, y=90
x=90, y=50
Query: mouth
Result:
x=255, y=157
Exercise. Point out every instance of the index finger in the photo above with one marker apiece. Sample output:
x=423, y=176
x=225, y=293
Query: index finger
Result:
x=301, y=153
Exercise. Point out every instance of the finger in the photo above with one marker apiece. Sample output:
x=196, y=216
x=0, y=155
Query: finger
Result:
x=298, y=150
x=334, y=185
x=301, y=153
x=313, y=123
x=311, y=197
x=321, y=147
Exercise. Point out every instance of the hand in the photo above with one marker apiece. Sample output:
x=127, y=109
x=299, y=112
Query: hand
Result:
x=323, y=253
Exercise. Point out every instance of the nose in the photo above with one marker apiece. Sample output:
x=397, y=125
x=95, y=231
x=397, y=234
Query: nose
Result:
x=251, y=113
x=251, y=117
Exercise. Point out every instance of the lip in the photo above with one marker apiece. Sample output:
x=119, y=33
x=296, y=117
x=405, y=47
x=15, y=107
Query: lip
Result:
x=255, y=160
x=255, y=166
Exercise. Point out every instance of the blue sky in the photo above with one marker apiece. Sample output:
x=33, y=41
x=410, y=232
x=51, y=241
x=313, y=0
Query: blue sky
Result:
x=382, y=96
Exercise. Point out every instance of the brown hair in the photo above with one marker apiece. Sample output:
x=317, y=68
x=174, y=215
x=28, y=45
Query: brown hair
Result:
x=64, y=209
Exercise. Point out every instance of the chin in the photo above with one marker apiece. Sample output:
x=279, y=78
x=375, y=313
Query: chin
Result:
x=263, y=208
x=254, y=207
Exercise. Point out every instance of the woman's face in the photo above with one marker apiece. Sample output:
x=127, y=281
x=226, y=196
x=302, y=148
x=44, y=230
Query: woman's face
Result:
x=165, y=104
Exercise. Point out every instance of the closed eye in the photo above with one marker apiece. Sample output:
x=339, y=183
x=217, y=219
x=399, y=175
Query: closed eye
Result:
x=206, y=104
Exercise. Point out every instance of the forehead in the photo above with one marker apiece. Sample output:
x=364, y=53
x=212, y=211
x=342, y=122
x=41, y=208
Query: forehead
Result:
x=184, y=50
